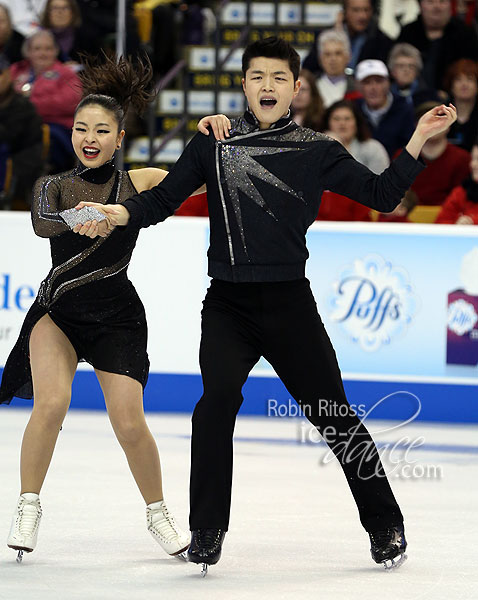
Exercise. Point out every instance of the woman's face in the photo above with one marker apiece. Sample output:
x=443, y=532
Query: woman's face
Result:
x=342, y=124
x=464, y=87
x=42, y=53
x=474, y=163
x=95, y=135
x=303, y=98
x=60, y=14
x=404, y=71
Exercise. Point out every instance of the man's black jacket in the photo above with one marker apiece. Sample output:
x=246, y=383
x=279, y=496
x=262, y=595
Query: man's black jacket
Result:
x=264, y=189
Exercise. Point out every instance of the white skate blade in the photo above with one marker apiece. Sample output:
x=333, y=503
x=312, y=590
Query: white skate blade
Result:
x=204, y=570
x=20, y=556
x=182, y=555
x=394, y=563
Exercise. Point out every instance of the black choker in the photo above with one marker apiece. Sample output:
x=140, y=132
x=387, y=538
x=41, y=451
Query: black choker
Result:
x=98, y=175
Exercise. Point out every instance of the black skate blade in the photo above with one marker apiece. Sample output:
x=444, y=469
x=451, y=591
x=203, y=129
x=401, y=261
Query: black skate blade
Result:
x=204, y=570
x=394, y=563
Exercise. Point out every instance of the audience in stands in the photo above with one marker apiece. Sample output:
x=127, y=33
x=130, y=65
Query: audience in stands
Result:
x=441, y=38
x=20, y=140
x=334, y=54
x=63, y=19
x=54, y=89
x=461, y=206
x=390, y=118
x=10, y=40
x=405, y=65
x=344, y=122
x=461, y=82
x=366, y=40
x=25, y=14
x=308, y=106
x=447, y=166
x=99, y=21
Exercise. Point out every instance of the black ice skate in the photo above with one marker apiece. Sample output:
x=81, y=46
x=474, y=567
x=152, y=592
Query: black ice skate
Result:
x=388, y=546
x=205, y=548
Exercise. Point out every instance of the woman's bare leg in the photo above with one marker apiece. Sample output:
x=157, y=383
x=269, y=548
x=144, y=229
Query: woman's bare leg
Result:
x=124, y=402
x=53, y=363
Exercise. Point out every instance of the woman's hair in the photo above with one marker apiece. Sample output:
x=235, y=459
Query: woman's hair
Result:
x=6, y=10
x=363, y=132
x=40, y=33
x=337, y=37
x=45, y=20
x=406, y=50
x=315, y=111
x=115, y=86
x=463, y=66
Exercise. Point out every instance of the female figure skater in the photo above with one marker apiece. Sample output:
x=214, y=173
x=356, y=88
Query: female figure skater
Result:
x=87, y=309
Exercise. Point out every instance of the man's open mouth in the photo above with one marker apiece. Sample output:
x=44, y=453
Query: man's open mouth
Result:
x=268, y=102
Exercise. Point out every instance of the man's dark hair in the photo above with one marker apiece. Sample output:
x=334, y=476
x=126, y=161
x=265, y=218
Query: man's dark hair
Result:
x=272, y=47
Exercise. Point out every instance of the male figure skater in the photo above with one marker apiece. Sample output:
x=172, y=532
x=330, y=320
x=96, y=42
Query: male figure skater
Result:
x=264, y=184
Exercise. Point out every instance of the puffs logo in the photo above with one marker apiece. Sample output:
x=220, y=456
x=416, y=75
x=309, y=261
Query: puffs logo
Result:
x=372, y=302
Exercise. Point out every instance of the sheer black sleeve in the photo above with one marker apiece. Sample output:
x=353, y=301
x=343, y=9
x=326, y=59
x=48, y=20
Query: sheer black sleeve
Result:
x=46, y=218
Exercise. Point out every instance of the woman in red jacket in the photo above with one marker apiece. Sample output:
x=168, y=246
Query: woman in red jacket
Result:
x=461, y=206
x=54, y=89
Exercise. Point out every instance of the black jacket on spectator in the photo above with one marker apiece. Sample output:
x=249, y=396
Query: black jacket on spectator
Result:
x=458, y=41
x=465, y=134
x=377, y=45
x=21, y=131
x=13, y=47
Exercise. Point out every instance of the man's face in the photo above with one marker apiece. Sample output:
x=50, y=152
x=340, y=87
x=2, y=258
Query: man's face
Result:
x=435, y=13
x=357, y=15
x=269, y=88
x=334, y=58
x=375, y=91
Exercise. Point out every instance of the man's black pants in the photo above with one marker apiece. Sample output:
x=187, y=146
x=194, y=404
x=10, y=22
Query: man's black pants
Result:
x=240, y=323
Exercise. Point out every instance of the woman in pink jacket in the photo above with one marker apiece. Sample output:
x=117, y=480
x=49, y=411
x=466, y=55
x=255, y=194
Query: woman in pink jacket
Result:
x=53, y=88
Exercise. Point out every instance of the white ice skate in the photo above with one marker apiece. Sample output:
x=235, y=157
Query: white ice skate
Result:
x=25, y=523
x=165, y=531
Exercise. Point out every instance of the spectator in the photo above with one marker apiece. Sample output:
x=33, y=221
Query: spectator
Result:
x=307, y=106
x=334, y=54
x=63, y=18
x=54, y=89
x=366, y=40
x=461, y=206
x=440, y=38
x=447, y=166
x=25, y=14
x=20, y=136
x=461, y=82
x=10, y=40
x=405, y=65
x=344, y=122
x=99, y=23
x=390, y=118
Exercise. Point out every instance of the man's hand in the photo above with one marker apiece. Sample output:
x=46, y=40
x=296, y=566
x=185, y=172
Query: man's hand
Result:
x=435, y=121
x=220, y=125
x=116, y=214
x=464, y=220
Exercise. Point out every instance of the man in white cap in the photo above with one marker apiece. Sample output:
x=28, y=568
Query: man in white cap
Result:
x=390, y=118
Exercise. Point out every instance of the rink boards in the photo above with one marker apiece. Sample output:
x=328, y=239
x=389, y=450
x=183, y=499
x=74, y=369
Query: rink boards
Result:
x=399, y=301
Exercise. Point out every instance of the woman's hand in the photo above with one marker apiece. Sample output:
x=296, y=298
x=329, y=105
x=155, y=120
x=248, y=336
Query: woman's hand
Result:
x=220, y=125
x=464, y=220
x=115, y=214
x=437, y=120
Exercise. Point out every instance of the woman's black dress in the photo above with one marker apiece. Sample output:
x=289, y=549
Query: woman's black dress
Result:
x=87, y=292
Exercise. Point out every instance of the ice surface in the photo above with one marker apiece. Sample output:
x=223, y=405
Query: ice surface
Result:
x=294, y=529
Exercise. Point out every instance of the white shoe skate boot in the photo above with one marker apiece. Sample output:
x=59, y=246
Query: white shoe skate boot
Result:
x=164, y=529
x=25, y=523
